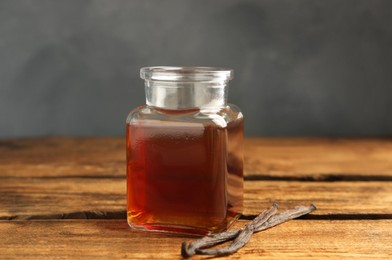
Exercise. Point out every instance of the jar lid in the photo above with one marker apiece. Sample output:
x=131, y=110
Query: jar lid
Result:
x=186, y=74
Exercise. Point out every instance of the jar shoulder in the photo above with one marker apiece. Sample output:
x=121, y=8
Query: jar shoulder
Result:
x=220, y=117
x=138, y=114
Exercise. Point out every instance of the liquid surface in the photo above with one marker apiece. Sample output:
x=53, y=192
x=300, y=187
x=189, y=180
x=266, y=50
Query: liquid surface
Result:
x=184, y=177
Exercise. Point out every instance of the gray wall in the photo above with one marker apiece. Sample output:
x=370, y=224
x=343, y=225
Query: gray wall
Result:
x=302, y=67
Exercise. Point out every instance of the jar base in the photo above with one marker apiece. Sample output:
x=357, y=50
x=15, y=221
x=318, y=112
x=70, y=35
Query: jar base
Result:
x=178, y=229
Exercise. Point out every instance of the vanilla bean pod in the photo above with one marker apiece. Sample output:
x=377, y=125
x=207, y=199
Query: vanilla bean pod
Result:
x=208, y=241
x=286, y=216
x=245, y=235
x=242, y=236
x=188, y=250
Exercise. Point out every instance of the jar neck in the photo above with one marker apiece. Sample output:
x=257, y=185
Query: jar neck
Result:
x=186, y=95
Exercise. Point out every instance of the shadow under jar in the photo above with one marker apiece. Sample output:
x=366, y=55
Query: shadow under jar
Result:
x=184, y=152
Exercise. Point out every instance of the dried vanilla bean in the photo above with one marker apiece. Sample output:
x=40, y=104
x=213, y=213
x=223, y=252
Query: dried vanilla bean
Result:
x=188, y=250
x=208, y=241
x=286, y=216
x=244, y=235
x=261, y=222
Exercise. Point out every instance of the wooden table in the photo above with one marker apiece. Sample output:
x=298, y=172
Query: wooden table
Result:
x=65, y=198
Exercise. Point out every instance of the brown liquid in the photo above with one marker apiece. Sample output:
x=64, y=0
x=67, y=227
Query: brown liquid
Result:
x=184, y=177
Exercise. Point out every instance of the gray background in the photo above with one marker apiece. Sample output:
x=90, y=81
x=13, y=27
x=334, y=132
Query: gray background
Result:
x=301, y=67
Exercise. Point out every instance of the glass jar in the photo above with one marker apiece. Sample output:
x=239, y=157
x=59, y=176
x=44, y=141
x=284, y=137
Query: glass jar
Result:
x=184, y=152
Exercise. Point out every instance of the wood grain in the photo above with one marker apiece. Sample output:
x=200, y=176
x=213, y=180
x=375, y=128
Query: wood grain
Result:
x=51, y=196
x=47, y=179
x=318, y=158
x=329, y=197
x=54, y=196
x=315, y=158
x=95, y=239
x=62, y=156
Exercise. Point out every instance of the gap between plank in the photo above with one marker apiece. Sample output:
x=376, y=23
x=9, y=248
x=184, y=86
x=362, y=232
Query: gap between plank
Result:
x=359, y=216
x=67, y=177
x=335, y=177
x=123, y=215
x=320, y=178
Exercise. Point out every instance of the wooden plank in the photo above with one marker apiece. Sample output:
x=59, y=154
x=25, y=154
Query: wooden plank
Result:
x=62, y=156
x=94, y=239
x=274, y=157
x=318, y=157
x=48, y=196
x=329, y=197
